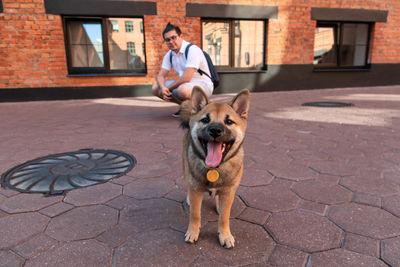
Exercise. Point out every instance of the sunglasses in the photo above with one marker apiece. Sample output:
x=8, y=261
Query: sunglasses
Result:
x=172, y=38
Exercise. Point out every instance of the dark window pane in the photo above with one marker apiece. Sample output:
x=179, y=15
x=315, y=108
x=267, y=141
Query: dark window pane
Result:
x=85, y=44
x=122, y=50
x=355, y=43
x=128, y=26
x=325, y=46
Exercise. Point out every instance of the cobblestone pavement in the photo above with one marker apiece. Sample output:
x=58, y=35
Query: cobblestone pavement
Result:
x=321, y=186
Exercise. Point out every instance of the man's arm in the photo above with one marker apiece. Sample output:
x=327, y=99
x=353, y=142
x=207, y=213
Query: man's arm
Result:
x=161, y=84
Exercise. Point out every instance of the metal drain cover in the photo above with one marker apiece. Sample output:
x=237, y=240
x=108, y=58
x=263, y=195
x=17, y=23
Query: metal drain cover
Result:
x=57, y=173
x=328, y=104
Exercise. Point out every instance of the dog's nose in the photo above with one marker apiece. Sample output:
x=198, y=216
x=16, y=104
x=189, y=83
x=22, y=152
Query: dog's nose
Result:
x=215, y=131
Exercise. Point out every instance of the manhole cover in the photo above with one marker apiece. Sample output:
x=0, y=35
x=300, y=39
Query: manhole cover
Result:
x=57, y=173
x=328, y=104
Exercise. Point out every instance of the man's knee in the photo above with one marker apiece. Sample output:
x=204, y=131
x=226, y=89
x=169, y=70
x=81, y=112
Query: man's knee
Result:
x=185, y=91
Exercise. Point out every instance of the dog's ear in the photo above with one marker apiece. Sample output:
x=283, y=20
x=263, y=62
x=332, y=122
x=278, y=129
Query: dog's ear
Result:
x=186, y=111
x=190, y=107
x=199, y=99
x=241, y=103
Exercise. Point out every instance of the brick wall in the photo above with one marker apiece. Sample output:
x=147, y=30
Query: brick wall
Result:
x=32, y=52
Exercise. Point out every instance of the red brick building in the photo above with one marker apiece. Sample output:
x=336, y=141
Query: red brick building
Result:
x=95, y=48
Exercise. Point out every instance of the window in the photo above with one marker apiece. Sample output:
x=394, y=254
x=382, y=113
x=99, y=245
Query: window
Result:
x=131, y=48
x=115, y=26
x=235, y=44
x=341, y=45
x=93, y=46
x=128, y=26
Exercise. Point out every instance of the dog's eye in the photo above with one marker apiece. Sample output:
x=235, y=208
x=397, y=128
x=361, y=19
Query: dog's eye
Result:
x=229, y=121
x=205, y=119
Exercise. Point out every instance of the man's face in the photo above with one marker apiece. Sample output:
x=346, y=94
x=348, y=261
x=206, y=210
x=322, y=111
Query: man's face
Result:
x=173, y=40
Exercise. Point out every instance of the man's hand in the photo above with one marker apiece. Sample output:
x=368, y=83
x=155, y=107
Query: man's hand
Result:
x=166, y=94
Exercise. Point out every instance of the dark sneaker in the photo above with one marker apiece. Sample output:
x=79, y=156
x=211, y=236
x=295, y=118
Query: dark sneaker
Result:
x=176, y=114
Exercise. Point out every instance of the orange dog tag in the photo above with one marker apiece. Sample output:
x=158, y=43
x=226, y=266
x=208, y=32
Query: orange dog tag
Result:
x=212, y=175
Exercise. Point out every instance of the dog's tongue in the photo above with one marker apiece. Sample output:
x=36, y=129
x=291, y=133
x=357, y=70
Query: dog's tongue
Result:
x=214, y=154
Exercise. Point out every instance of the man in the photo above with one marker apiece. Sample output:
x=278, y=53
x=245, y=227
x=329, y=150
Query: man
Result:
x=181, y=89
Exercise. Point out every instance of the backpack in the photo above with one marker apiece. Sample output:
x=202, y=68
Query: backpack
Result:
x=214, y=74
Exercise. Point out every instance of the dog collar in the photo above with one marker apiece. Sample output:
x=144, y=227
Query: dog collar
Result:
x=212, y=173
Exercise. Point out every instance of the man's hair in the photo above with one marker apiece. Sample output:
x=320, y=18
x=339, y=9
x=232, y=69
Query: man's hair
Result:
x=171, y=27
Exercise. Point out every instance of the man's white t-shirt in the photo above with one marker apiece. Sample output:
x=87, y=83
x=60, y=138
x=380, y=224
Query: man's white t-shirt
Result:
x=195, y=59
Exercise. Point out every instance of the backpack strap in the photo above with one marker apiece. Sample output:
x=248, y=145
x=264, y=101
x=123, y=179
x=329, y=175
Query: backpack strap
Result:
x=187, y=50
x=186, y=54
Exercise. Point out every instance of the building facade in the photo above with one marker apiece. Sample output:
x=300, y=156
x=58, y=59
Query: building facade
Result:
x=55, y=49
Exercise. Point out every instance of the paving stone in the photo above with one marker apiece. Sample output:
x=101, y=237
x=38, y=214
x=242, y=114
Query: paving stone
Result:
x=56, y=209
x=392, y=204
x=371, y=186
x=2, y=198
x=34, y=246
x=322, y=192
x=121, y=202
x=256, y=177
x=390, y=251
x=177, y=195
x=286, y=256
x=8, y=192
x=367, y=199
x=28, y=202
x=19, y=227
x=304, y=230
x=274, y=197
x=75, y=253
x=252, y=244
x=361, y=244
x=10, y=259
x=149, y=188
x=152, y=214
x=82, y=223
x=117, y=234
x=295, y=172
x=341, y=257
x=365, y=220
x=313, y=207
x=202, y=261
x=150, y=171
x=163, y=247
x=254, y=216
x=96, y=194
x=335, y=168
x=123, y=180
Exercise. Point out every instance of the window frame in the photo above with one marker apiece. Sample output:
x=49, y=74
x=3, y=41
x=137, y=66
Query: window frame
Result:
x=106, y=69
x=231, y=23
x=338, y=29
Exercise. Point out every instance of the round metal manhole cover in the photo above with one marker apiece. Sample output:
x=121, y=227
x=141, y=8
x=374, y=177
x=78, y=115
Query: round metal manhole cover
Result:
x=328, y=104
x=57, y=173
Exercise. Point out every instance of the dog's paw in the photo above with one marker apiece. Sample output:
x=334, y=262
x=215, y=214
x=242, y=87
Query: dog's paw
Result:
x=227, y=241
x=191, y=236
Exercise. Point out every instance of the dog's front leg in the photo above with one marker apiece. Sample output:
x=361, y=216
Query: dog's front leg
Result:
x=224, y=203
x=195, y=199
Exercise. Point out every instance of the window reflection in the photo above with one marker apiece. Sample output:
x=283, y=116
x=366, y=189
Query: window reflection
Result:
x=86, y=45
x=125, y=48
x=341, y=44
x=234, y=43
x=325, y=48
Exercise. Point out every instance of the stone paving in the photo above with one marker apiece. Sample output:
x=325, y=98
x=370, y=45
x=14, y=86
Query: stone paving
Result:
x=321, y=186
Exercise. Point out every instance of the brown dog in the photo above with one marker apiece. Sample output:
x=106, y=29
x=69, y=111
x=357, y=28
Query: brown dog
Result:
x=213, y=156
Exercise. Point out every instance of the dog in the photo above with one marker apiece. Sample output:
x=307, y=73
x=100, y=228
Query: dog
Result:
x=213, y=156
